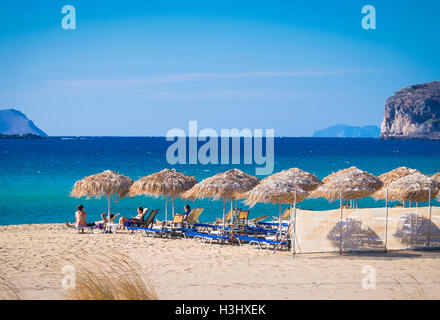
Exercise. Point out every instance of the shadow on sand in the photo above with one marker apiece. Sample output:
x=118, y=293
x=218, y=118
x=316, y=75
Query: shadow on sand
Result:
x=355, y=236
x=415, y=231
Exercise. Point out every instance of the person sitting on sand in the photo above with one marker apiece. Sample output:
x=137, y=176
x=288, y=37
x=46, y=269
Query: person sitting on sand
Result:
x=80, y=218
x=123, y=221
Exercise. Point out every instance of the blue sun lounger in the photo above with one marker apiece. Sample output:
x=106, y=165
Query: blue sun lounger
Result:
x=147, y=231
x=205, y=237
x=259, y=230
x=205, y=226
x=284, y=224
x=260, y=241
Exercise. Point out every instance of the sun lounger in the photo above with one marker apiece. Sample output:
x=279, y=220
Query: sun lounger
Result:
x=258, y=219
x=284, y=216
x=261, y=241
x=205, y=237
x=136, y=221
x=242, y=218
x=89, y=229
x=173, y=229
x=259, y=230
x=204, y=227
x=193, y=217
x=147, y=223
x=272, y=224
x=106, y=224
x=153, y=231
x=227, y=216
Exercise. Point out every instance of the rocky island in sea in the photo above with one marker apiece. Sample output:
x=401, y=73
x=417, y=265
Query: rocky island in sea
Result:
x=413, y=113
x=344, y=131
x=15, y=124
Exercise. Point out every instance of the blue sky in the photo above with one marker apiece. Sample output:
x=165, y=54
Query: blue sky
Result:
x=144, y=67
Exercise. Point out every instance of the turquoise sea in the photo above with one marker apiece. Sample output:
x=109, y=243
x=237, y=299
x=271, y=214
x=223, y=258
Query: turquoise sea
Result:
x=36, y=176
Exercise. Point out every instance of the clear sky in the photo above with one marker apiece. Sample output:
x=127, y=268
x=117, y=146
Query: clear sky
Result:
x=143, y=67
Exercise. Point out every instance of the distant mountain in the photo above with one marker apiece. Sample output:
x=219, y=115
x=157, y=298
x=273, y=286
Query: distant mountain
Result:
x=344, y=131
x=14, y=122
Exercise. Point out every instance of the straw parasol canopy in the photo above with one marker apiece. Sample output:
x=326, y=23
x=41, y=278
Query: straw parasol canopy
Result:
x=288, y=186
x=107, y=183
x=275, y=191
x=300, y=178
x=166, y=183
x=229, y=185
x=353, y=183
x=281, y=187
x=414, y=187
x=389, y=177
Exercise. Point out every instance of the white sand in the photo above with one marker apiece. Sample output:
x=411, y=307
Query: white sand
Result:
x=31, y=255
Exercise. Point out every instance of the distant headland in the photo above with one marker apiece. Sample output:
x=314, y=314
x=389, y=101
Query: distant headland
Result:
x=345, y=131
x=15, y=124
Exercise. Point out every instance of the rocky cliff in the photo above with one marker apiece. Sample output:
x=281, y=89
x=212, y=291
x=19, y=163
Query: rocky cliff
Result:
x=413, y=113
x=344, y=131
x=15, y=122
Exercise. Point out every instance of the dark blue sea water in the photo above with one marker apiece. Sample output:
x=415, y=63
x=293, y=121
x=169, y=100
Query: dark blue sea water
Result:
x=36, y=176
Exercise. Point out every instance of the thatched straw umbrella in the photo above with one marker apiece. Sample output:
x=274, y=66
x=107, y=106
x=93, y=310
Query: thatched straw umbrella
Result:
x=389, y=177
x=229, y=185
x=167, y=183
x=107, y=183
x=288, y=186
x=347, y=184
x=415, y=187
x=275, y=191
x=300, y=178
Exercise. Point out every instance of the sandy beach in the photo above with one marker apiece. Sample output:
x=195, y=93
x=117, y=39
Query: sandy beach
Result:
x=31, y=256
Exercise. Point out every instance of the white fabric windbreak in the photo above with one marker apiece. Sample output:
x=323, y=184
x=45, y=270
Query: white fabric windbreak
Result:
x=364, y=229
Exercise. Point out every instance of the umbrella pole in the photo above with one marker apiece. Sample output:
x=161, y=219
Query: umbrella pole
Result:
x=108, y=213
x=224, y=215
x=166, y=210
x=232, y=211
x=291, y=228
x=386, y=220
x=430, y=222
x=173, y=207
x=340, y=222
x=232, y=219
x=293, y=225
x=279, y=222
